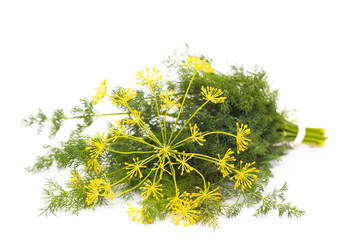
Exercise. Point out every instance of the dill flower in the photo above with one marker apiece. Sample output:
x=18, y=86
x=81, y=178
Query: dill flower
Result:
x=195, y=135
x=92, y=193
x=134, y=168
x=182, y=160
x=198, y=64
x=106, y=187
x=212, y=94
x=185, y=211
x=151, y=188
x=245, y=176
x=93, y=163
x=100, y=92
x=135, y=118
x=161, y=166
x=117, y=130
x=177, y=200
x=152, y=80
x=241, y=140
x=97, y=145
x=168, y=102
x=224, y=166
x=136, y=214
x=75, y=178
x=122, y=98
x=206, y=195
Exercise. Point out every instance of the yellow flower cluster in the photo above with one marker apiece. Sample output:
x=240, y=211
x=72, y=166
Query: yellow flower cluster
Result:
x=134, y=168
x=245, y=176
x=199, y=65
x=98, y=187
x=123, y=97
x=212, y=94
x=224, y=166
x=241, y=140
x=168, y=101
x=100, y=92
x=196, y=135
x=150, y=79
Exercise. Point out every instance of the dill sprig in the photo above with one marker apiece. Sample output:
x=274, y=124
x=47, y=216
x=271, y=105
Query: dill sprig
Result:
x=175, y=145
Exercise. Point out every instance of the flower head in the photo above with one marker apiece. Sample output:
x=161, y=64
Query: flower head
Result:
x=241, y=140
x=93, y=192
x=136, y=214
x=98, y=187
x=212, y=94
x=195, y=135
x=177, y=200
x=75, y=178
x=97, y=145
x=198, y=64
x=245, y=176
x=206, y=195
x=182, y=160
x=135, y=118
x=135, y=168
x=105, y=186
x=224, y=166
x=123, y=97
x=100, y=92
x=93, y=163
x=185, y=211
x=161, y=166
x=117, y=130
x=152, y=188
x=152, y=80
x=168, y=101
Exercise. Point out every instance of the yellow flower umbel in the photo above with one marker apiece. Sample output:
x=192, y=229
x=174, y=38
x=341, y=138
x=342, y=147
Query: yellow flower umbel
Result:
x=75, y=178
x=106, y=187
x=98, y=187
x=212, y=94
x=168, y=101
x=100, y=92
x=224, y=166
x=206, y=195
x=134, y=168
x=97, y=145
x=177, y=200
x=137, y=214
x=196, y=135
x=93, y=192
x=245, y=177
x=93, y=163
x=241, y=140
x=185, y=211
x=182, y=160
x=117, y=130
x=135, y=118
x=199, y=65
x=122, y=98
x=151, y=188
x=152, y=80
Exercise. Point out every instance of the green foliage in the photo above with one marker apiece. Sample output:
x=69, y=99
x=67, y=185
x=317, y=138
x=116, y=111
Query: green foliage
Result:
x=56, y=199
x=275, y=201
x=84, y=114
x=70, y=154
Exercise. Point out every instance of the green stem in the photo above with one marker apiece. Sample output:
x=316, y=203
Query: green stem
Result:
x=189, y=121
x=111, y=150
x=158, y=113
x=182, y=104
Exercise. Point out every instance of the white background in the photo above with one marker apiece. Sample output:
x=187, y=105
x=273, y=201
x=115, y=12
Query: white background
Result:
x=54, y=52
